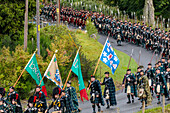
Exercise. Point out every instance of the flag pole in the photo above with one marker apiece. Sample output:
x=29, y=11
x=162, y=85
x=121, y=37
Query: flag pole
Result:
x=23, y=70
x=70, y=72
x=100, y=56
x=73, y=40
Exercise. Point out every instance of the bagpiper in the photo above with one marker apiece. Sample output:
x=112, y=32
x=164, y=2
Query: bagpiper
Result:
x=161, y=86
x=167, y=78
x=40, y=97
x=129, y=82
x=96, y=94
x=56, y=102
x=14, y=99
x=72, y=92
x=3, y=106
x=144, y=89
x=67, y=105
x=30, y=106
x=109, y=91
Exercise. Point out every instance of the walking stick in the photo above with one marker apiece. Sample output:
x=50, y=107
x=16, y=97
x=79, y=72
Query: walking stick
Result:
x=163, y=107
x=143, y=106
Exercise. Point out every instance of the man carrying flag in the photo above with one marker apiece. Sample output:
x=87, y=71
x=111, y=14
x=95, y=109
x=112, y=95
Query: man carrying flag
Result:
x=110, y=58
x=33, y=69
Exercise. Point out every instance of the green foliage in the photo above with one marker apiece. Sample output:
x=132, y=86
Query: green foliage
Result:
x=12, y=14
x=91, y=29
x=157, y=110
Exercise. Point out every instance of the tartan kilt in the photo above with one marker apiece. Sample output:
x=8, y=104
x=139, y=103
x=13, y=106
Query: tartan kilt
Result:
x=95, y=101
x=131, y=87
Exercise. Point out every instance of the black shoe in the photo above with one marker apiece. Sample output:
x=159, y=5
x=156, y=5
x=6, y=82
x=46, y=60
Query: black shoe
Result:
x=159, y=102
x=141, y=107
x=99, y=110
x=133, y=101
x=107, y=107
x=168, y=99
x=128, y=102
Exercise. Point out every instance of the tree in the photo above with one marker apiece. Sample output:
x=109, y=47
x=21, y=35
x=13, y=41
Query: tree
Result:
x=148, y=12
x=12, y=19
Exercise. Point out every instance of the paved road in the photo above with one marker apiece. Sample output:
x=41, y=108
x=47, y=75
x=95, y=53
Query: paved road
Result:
x=122, y=107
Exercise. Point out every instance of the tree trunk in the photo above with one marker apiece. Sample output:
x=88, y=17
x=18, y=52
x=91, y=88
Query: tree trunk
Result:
x=26, y=25
x=148, y=13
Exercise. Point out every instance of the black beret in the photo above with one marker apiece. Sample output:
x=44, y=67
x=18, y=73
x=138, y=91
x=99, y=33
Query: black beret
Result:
x=128, y=69
x=69, y=82
x=12, y=87
x=106, y=72
x=142, y=71
x=149, y=64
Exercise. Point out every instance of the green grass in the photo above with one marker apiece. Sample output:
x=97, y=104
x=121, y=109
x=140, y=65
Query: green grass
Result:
x=92, y=49
x=157, y=110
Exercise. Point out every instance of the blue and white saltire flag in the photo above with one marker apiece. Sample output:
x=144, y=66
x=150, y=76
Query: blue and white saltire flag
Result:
x=109, y=57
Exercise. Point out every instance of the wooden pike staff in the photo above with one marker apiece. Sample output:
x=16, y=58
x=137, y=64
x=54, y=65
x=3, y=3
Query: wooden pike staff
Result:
x=128, y=68
x=99, y=60
x=139, y=57
x=23, y=70
x=69, y=73
x=152, y=57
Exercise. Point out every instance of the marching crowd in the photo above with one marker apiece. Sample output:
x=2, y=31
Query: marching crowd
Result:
x=152, y=39
x=155, y=80
x=144, y=85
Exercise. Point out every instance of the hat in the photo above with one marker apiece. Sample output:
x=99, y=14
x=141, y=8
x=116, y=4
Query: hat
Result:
x=163, y=58
x=56, y=91
x=12, y=87
x=159, y=61
x=128, y=69
x=106, y=72
x=2, y=91
x=38, y=87
x=31, y=99
x=149, y=64
x=139, y=67
x=69, y=82
x=92, y=76
x=142, y=71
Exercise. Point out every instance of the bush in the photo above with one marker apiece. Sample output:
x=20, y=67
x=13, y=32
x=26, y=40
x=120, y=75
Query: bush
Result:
x=91, y=29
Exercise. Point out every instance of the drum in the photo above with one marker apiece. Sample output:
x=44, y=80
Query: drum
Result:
x=140, y=92
x=128, y=89
x=158, y=89
x=150, y=82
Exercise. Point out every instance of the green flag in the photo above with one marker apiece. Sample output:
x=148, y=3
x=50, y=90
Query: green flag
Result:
x=33, y=69
x=76, y=68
